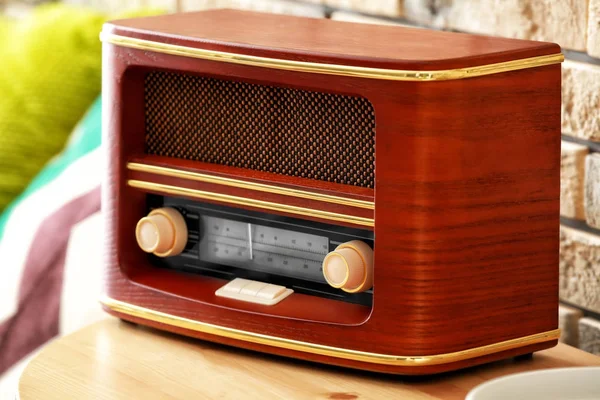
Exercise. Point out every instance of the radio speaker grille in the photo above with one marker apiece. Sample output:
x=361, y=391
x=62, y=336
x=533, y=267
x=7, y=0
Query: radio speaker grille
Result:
x=293, y=132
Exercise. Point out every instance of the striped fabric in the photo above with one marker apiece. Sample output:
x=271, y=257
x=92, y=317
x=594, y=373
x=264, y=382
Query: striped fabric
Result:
x=50, y=241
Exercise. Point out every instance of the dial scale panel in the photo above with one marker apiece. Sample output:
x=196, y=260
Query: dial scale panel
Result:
x=229, y=243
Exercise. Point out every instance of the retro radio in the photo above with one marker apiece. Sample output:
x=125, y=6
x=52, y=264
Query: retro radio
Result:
x=381, y=198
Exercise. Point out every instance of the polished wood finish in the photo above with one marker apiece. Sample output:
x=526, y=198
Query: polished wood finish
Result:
x=301, y=307
x=466, y=198
x=124, y=361
x=284, y=181
x=252, y=194
x=323, y=41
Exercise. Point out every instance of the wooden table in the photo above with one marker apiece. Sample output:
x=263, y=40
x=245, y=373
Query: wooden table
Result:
x=117, y=360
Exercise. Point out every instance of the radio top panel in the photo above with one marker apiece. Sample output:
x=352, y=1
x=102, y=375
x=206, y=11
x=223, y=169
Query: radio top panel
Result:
x=247, y=38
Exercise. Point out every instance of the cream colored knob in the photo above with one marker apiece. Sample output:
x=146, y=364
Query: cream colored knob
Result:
x=163, y=232
x=350, y=267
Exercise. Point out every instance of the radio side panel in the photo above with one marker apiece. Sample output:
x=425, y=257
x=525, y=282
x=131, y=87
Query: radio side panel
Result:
x=466, y=222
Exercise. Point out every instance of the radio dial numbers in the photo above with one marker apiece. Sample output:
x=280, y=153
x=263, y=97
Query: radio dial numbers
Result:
x=349, y=267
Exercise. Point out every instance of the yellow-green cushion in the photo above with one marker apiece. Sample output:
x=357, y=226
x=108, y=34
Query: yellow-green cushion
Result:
x=50, y=73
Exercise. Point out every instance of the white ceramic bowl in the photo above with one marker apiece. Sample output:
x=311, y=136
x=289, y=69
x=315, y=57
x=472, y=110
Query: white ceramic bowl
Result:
x=581, y=383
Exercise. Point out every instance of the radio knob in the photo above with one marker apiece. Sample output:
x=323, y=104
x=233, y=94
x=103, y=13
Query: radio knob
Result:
x=350, y=267
x=162, y=232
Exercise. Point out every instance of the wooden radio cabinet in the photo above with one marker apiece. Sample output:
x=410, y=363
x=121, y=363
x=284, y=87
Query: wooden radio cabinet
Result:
x=377, y=197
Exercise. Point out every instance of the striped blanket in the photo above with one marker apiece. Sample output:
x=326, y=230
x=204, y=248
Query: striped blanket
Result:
x=50, y=248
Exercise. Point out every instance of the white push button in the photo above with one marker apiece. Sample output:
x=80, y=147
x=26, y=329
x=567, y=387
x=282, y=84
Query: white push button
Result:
x=271, y=291
x=252, y=288
x=236, y=285
x=254, y=292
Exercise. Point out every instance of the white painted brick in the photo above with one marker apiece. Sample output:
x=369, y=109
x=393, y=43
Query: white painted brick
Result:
x=593, y=29
x=592, y=190
x=363, y=19
x=391, y=8
x=16, y=10
x=430, y=13
x=572, y=170
x=581, y=100
x=561, y=21
x=589, y=335
x=169, y=5
x=579, y=268
x=568, y=323
x=118, y=6
x=288, y=7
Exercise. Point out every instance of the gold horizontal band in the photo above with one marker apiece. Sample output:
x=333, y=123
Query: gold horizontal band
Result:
x=261, y=187
x=332, y=69
x=244, y=201
x=313, y=348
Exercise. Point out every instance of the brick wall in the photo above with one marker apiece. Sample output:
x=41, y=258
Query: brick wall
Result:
x=575, y=25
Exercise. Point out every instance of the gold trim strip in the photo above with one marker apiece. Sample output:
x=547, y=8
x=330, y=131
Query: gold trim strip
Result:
x=261, y=187
x=267, y=205
x=313, y=348
x=332, y=69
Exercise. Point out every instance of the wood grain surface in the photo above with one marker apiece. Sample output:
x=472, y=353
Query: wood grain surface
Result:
x=326, y=41
x=116, y=360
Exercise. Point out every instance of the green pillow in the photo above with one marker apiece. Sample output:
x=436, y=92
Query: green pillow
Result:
x=51, y=69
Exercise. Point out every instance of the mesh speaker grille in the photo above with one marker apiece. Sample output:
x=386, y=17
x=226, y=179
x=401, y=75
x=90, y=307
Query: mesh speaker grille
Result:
x=292, y=132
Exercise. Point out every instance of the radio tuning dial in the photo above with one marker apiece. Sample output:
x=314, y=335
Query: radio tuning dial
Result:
x=350, y=267
x=162, y=232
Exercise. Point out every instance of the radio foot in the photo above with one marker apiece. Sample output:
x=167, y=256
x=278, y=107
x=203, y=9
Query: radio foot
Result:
x=524, y=357
x=128, y=322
